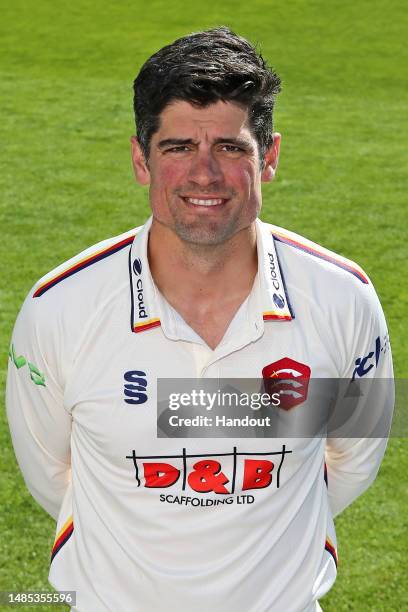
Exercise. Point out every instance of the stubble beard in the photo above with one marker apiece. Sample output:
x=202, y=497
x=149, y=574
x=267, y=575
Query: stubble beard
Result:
x=204, y=232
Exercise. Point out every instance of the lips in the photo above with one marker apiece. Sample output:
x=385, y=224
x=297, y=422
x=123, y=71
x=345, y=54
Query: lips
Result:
x=204, y=201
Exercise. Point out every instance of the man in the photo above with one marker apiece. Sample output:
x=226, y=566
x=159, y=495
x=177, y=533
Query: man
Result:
x=203, y=290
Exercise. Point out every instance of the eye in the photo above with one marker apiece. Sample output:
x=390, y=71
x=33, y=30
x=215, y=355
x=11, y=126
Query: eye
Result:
x=229, y=148
x=178, y=149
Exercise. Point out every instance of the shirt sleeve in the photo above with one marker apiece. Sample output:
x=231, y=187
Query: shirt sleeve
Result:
x=40, y=425
x=359, y=429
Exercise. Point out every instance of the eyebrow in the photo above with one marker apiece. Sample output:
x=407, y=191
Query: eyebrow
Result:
x=172, y=142
x=175, y=141
x=240, y=142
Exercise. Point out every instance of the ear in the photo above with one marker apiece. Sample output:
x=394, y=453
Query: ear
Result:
x=140, y=168
x=271, y=159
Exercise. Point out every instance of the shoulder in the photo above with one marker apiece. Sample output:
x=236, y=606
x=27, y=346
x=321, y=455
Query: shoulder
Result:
x=331, y=296
x=315, y=257
x=95, y=260
x=79, y=287
x=320, y=278
x=59, y=310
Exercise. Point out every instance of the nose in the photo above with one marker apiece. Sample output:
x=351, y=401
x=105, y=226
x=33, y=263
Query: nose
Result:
x=205, y=169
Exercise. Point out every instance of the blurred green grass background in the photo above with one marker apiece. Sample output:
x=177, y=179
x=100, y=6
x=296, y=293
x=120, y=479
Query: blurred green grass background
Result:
x=66, y=183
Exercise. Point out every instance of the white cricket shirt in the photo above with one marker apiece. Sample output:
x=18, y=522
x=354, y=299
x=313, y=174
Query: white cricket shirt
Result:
x=149, y=524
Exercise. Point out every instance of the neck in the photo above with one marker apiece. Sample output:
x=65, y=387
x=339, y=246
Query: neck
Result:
x=203, y=272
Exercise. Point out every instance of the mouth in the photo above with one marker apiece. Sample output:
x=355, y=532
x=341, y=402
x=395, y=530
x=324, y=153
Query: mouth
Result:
x=204, y=202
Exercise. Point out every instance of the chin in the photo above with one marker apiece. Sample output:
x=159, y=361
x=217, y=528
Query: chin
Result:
x=210, y=235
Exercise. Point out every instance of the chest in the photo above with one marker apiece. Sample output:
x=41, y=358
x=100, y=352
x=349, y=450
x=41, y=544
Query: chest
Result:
x=115, y=395
x=210, y=324
x=112, y=388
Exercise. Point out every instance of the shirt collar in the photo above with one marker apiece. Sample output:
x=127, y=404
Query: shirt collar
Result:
x=268, y=300
x=144, y=309
x=275, y=303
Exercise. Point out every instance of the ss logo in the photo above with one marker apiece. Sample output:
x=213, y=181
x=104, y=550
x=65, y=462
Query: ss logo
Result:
x=135, y=389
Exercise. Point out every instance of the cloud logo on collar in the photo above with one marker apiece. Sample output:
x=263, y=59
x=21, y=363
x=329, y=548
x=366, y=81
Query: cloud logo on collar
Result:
x=137, y=266
x=278, y=300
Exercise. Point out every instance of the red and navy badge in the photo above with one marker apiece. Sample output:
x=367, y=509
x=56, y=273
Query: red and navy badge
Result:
x=290, y=379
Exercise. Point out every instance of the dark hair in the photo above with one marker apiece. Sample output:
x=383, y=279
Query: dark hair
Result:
x=202, y=68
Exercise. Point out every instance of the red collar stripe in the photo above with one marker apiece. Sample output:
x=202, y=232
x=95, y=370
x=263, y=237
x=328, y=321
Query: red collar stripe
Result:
x=140, y=327
x=271, y=316
x=84, y=263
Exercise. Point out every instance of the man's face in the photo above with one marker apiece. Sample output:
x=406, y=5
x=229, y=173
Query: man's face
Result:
x=204, y=171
